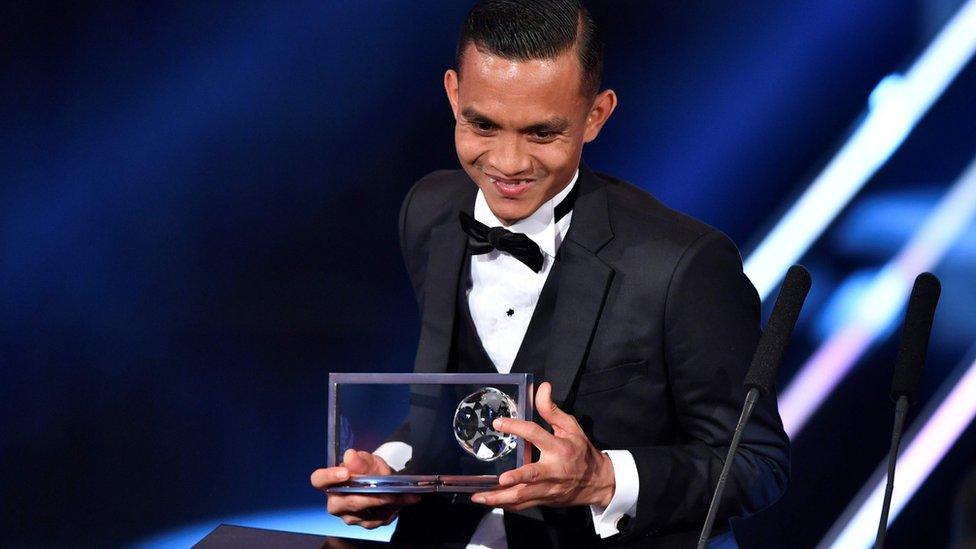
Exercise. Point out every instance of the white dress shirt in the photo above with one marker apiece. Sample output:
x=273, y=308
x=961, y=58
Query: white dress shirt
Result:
x=502, y=296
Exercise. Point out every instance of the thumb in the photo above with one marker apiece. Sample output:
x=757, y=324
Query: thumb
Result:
x=375, y=465
x=354, y=461
x=560, y=420
x=378, y=465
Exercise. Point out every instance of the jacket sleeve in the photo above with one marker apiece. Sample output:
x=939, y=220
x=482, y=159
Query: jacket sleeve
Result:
x=711, y=332
x=409, y=243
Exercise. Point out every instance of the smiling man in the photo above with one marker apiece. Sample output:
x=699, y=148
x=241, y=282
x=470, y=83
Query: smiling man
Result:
x=637, y=320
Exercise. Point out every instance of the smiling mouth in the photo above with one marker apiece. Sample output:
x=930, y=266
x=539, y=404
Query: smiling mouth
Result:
x=510, y=188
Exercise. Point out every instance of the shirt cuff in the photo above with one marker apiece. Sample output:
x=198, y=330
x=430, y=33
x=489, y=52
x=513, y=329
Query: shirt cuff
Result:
x=396, y=454
x=607, y=520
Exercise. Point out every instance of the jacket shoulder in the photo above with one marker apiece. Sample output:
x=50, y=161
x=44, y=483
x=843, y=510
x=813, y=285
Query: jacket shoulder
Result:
x=435, y=197
x=637, y=214
x=432, y=201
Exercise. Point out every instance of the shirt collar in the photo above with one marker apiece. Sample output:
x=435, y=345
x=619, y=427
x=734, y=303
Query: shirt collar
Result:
x=540, y=227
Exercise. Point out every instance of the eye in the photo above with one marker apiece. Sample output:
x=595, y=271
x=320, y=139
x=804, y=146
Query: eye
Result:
x=544, y=136
x=482, y=127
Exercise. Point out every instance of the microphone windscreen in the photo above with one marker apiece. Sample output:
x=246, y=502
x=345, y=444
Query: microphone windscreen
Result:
x=915, y=337
x=772, y=344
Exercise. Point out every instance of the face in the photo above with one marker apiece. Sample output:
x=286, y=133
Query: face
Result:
x=521, y=125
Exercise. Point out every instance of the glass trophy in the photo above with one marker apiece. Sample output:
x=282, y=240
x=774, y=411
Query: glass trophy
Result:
x=446, y=420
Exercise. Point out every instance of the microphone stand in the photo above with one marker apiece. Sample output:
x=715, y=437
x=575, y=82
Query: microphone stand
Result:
x=901, y=410
x=751, y=397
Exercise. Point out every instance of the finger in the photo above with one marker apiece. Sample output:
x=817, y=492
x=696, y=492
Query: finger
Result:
x=355, y=462
x=351, y=520
x=550, y=412
x=343, y=504
x=372, y=517
x=526, y=504
x=402, y=500
x=375, y=465
x=528, y=430
x=515, y=495
x=380, y=516
x=358, y=520
x=527, y=474
x=324, y=478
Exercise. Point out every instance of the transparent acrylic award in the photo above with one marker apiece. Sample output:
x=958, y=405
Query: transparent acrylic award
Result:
x=445, y=419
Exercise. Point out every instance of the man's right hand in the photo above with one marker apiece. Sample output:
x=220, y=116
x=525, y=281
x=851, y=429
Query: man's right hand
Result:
x=368, y=511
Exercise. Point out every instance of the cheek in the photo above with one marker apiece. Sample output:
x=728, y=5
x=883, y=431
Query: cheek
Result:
x=469, y=147
x=556, y=157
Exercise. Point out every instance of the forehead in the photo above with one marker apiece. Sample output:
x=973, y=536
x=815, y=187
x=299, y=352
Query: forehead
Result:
x=519, y=89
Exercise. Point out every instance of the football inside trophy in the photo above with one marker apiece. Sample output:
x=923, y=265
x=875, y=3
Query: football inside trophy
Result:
x=473, y=424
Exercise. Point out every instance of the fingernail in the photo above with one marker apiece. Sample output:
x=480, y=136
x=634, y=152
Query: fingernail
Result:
x=497, y=424
x=478, y=499
x=342, y=474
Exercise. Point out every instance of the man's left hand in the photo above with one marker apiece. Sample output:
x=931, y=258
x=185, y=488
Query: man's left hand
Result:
x=570, y=470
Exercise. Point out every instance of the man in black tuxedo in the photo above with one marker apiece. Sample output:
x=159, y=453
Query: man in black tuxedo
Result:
x=638, y=320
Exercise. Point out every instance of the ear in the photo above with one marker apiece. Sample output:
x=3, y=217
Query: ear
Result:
x=603, y=106
x=451, y=79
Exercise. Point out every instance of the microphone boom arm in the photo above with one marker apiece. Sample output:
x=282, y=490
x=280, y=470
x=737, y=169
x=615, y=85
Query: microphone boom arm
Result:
x=751, y=397
x=901, y=410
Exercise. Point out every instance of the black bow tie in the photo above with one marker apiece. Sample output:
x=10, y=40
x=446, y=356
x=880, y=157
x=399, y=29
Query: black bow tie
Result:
x=483, y=239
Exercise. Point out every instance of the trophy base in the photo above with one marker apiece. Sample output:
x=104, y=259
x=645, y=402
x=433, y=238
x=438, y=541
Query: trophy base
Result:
x=415, y=484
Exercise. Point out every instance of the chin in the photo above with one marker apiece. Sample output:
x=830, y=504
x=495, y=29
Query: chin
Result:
x=509, y=212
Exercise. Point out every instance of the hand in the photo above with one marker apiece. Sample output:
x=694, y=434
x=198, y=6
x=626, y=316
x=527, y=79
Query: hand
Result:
x=368, y=511
x=570, y=470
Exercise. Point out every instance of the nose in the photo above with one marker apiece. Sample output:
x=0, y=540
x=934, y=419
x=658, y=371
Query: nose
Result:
x=509, y=160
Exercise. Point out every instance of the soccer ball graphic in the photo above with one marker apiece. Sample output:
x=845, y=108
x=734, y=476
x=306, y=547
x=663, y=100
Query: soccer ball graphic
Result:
x=473, y=424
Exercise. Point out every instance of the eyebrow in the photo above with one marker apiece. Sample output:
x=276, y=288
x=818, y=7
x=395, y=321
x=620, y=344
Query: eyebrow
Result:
x=556, y=124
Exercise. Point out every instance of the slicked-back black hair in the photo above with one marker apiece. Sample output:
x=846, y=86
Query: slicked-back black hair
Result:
x=522, y=30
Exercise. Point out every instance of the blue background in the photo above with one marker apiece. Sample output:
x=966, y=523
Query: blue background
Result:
x=198, y=222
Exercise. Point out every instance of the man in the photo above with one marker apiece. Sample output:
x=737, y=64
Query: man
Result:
x=637, y=320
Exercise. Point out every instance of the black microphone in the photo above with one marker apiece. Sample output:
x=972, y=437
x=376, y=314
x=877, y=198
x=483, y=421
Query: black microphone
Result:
x=908, y=373
x=762, y=373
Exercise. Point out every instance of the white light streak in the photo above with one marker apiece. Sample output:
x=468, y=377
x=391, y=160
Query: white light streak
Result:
x=895, y=107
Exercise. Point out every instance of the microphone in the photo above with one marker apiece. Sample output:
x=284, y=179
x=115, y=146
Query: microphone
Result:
x=908, y=373
x=762, y=373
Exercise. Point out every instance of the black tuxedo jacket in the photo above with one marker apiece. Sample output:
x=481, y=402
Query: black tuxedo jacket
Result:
x=653, y=329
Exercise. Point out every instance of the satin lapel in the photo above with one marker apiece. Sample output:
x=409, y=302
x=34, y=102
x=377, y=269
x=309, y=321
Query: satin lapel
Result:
x=447, y=244
x=584, y=279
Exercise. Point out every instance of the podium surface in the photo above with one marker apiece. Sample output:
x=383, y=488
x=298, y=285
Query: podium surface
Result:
x=228, y=536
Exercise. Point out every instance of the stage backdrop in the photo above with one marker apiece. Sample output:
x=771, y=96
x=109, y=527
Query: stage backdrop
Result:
x=198, y=223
